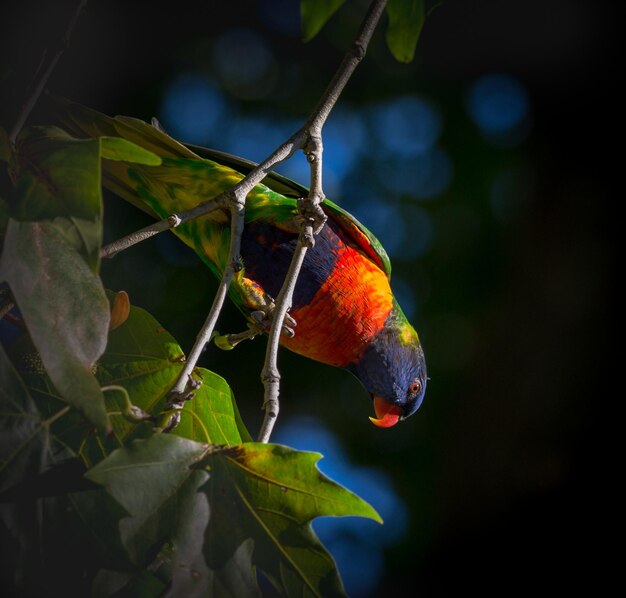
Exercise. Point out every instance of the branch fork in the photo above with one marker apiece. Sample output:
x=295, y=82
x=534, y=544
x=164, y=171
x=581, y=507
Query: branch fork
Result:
x=309, y=140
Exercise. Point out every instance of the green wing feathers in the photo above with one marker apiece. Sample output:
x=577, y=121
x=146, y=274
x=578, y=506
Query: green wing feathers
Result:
x=190, y=175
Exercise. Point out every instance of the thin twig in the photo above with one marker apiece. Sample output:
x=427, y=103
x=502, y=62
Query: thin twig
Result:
x=309, y=139
x=112, y=249
x=235, y=200
x=233, y=264
x=30, y=102
x=309, y=208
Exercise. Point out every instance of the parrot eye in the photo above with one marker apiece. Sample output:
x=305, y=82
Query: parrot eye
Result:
x=415, y=387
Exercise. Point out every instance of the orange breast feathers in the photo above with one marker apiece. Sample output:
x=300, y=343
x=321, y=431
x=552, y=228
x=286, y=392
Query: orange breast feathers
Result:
x=345, y=313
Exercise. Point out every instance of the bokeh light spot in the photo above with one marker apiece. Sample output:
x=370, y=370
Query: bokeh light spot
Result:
x=280, y=15
x=406, y=126
x=499, y=105
x=421, y=177
x=255, y=137
x=344, y=139
x=355, y=543
x=191, y=107
x=382, y=218
x=245, y=63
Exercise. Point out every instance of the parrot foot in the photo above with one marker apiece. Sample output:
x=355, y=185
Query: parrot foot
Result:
x=263, y=319
x=311, y=214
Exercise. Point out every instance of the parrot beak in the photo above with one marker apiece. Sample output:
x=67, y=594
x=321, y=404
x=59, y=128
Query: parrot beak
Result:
x=387, y=414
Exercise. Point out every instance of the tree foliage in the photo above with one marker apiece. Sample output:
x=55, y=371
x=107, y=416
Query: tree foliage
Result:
x=199, y=511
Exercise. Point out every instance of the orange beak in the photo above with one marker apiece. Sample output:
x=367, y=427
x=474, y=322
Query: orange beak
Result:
x=387, y=414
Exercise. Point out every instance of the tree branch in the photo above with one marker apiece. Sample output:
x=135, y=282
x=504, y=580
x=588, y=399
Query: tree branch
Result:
x=309, y=139
x=314, y=218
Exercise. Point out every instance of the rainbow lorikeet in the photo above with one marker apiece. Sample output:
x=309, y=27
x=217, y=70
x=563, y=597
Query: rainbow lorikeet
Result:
x=344, y=308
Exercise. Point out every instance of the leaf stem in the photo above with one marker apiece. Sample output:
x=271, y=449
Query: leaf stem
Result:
x=58, y=415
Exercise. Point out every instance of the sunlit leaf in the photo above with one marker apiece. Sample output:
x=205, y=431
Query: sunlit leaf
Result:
x=406, y=19
x=270, y=493
x=116, y=148
x=65, y=308
x=144, y=358
x=314, y=15
x=57, y=178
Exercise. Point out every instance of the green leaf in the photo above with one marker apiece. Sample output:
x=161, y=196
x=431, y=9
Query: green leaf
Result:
x=406, y=19
x=270, y=493
x=242, y=507
x=154, y=481
x=116, y=148
x=314, y=14
x=65, y=308
x=57, y=178
x=145, y=359
x=22, y=435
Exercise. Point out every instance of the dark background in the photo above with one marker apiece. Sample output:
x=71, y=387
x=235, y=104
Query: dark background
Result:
x=502, y=476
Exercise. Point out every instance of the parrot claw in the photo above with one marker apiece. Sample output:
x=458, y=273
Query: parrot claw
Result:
x=263, y=318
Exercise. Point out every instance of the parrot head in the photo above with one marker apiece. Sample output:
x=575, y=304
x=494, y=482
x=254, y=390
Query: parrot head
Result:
x=393, y=370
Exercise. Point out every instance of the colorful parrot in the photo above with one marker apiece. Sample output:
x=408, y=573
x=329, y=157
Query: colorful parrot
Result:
x=343, y=306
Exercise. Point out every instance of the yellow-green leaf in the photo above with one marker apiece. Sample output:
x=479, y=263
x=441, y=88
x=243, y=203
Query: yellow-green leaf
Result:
x=223, y=512
x=57, y=179
x=116, y=148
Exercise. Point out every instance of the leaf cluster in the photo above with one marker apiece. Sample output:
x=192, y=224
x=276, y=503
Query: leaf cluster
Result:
x=83, y=455
x=405, y=22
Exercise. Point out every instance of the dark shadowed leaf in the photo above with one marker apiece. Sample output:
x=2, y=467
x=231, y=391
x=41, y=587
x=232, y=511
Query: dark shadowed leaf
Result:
x=314, y=15
x=5, y=146
x=154, y=481
x=65, y=308
x=270, y=493
x=143, y=584
x=158, y=483
x=57, y=178
x=4, y=215
x=22, y=435
x=406, y=19
x=246, y=506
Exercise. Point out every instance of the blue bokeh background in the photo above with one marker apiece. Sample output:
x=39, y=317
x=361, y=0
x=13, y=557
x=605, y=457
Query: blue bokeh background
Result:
x=481, y=167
